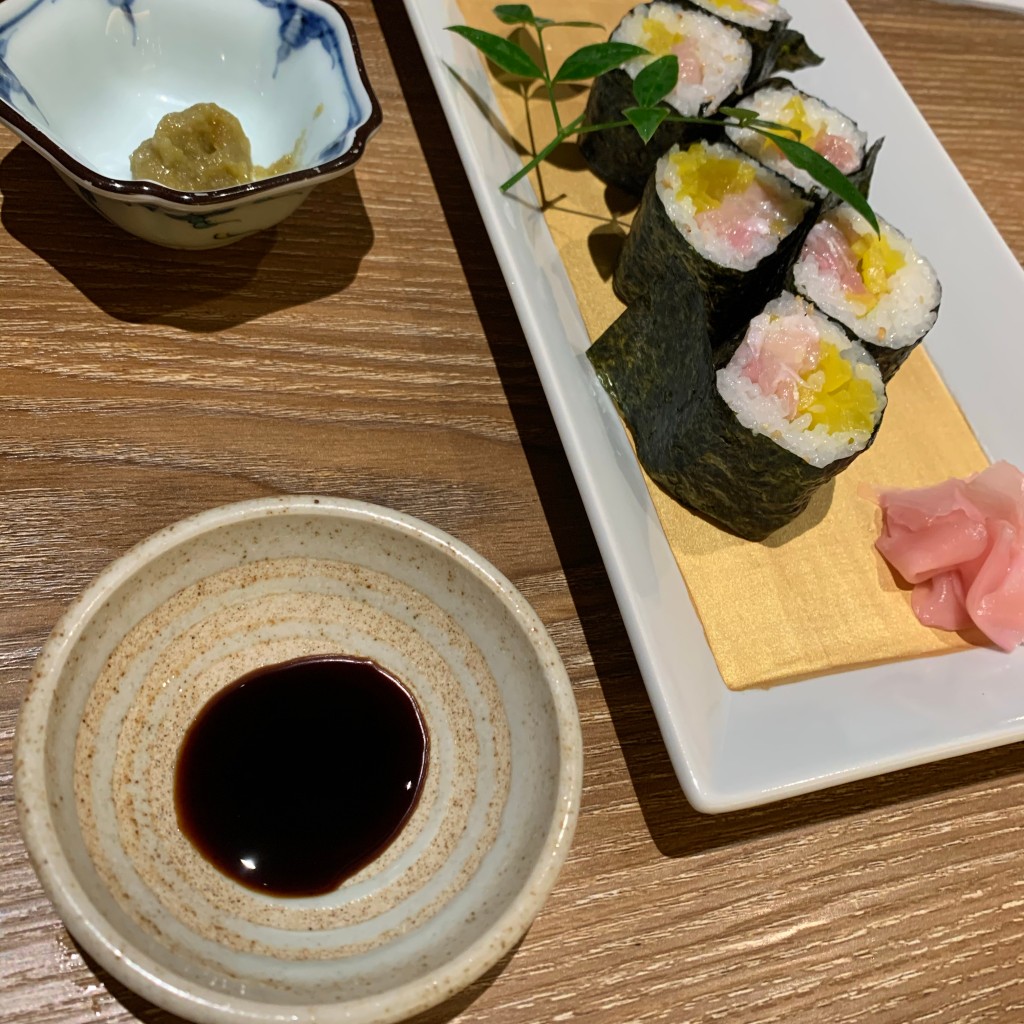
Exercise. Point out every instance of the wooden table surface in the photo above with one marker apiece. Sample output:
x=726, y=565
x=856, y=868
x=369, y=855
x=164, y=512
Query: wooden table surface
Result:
x=368, y=348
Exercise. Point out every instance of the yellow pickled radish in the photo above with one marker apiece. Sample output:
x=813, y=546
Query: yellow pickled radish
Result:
x=877, y=261
x=838, y=400
x=660, y=39
x=836, y=369
x=707, y=179
x=794, y=115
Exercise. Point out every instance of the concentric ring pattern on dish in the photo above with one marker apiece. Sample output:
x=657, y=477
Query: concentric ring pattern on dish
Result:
x=196, y=607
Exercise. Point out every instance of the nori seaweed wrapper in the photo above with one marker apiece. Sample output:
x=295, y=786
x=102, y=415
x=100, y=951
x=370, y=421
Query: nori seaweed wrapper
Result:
x=619, y=156
x=655, y=362
x=793, y=52
x=656, y=258
x=779, y=48
x=889, y=359
x=861, y=177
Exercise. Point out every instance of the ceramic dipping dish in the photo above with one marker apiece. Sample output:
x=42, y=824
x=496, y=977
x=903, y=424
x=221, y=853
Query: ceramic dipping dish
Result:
x=84, y=82
x=215, y=597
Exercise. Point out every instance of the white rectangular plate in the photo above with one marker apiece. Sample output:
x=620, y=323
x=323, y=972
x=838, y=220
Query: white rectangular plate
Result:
x=737, y=749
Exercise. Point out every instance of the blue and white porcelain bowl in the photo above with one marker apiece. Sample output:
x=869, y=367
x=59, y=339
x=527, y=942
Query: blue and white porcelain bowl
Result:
x=83, y=82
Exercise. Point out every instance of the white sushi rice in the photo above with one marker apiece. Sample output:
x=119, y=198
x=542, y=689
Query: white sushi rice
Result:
x=786, y=208
x=724, y=54
x=770, y=105
x=902, y=316
x=766, y=414
x=759, y=14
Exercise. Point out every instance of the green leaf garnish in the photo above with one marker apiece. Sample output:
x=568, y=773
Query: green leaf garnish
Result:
x=515, y=14
x=522, y=14
x=596, y=59
x=775, y=128
x=645, y=119
x=823, y=172
x=651, y=85
x=655, y=82
x=749, y=119
x=507, y=55
x=741, y=115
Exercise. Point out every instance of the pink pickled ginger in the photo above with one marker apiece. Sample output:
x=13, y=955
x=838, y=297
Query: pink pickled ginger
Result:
x=961, y=545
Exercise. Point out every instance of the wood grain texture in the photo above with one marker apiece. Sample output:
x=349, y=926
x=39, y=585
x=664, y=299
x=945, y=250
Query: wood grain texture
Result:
x=368, y=348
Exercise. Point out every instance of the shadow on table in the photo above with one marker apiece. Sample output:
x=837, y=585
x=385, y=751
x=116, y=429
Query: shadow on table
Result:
x=676, y=828
x=314, y=253
x=143, y=1010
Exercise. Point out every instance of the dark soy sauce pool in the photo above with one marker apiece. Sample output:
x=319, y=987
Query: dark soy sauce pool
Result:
x=297, y=775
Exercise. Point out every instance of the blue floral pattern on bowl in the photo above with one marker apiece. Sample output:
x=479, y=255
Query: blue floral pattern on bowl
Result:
x=10, y=86
x=300, y=26
x=47, y=90
x=126, y=8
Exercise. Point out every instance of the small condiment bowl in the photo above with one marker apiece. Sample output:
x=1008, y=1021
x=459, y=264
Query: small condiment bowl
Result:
x=200, y=604
x=84, y=82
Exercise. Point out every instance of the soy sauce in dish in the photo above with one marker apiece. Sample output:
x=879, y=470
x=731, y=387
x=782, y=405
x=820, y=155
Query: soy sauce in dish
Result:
x=297, y=775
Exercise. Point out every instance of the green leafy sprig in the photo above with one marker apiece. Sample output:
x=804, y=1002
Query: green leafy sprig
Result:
x=653, y=83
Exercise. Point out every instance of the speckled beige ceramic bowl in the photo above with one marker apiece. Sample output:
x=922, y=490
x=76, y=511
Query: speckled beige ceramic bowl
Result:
x=203, y=602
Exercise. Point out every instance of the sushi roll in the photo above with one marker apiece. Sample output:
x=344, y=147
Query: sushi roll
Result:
x=799, y=379
x=713, y=214
x=714, y=59
x=824, y=129
x=878, y=286
x=749, y=447
x=765, y=25
x=714, y=64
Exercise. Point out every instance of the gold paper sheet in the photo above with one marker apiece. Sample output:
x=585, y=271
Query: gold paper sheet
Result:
x=816, y=597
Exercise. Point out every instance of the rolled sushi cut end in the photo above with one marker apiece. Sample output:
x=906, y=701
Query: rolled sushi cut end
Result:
x=759, y=14
x=732, y=210
x=714, y=59
x=798, y=379
x=655, y=361
x=826, y=130
x=765, y=25
x=877, y=285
